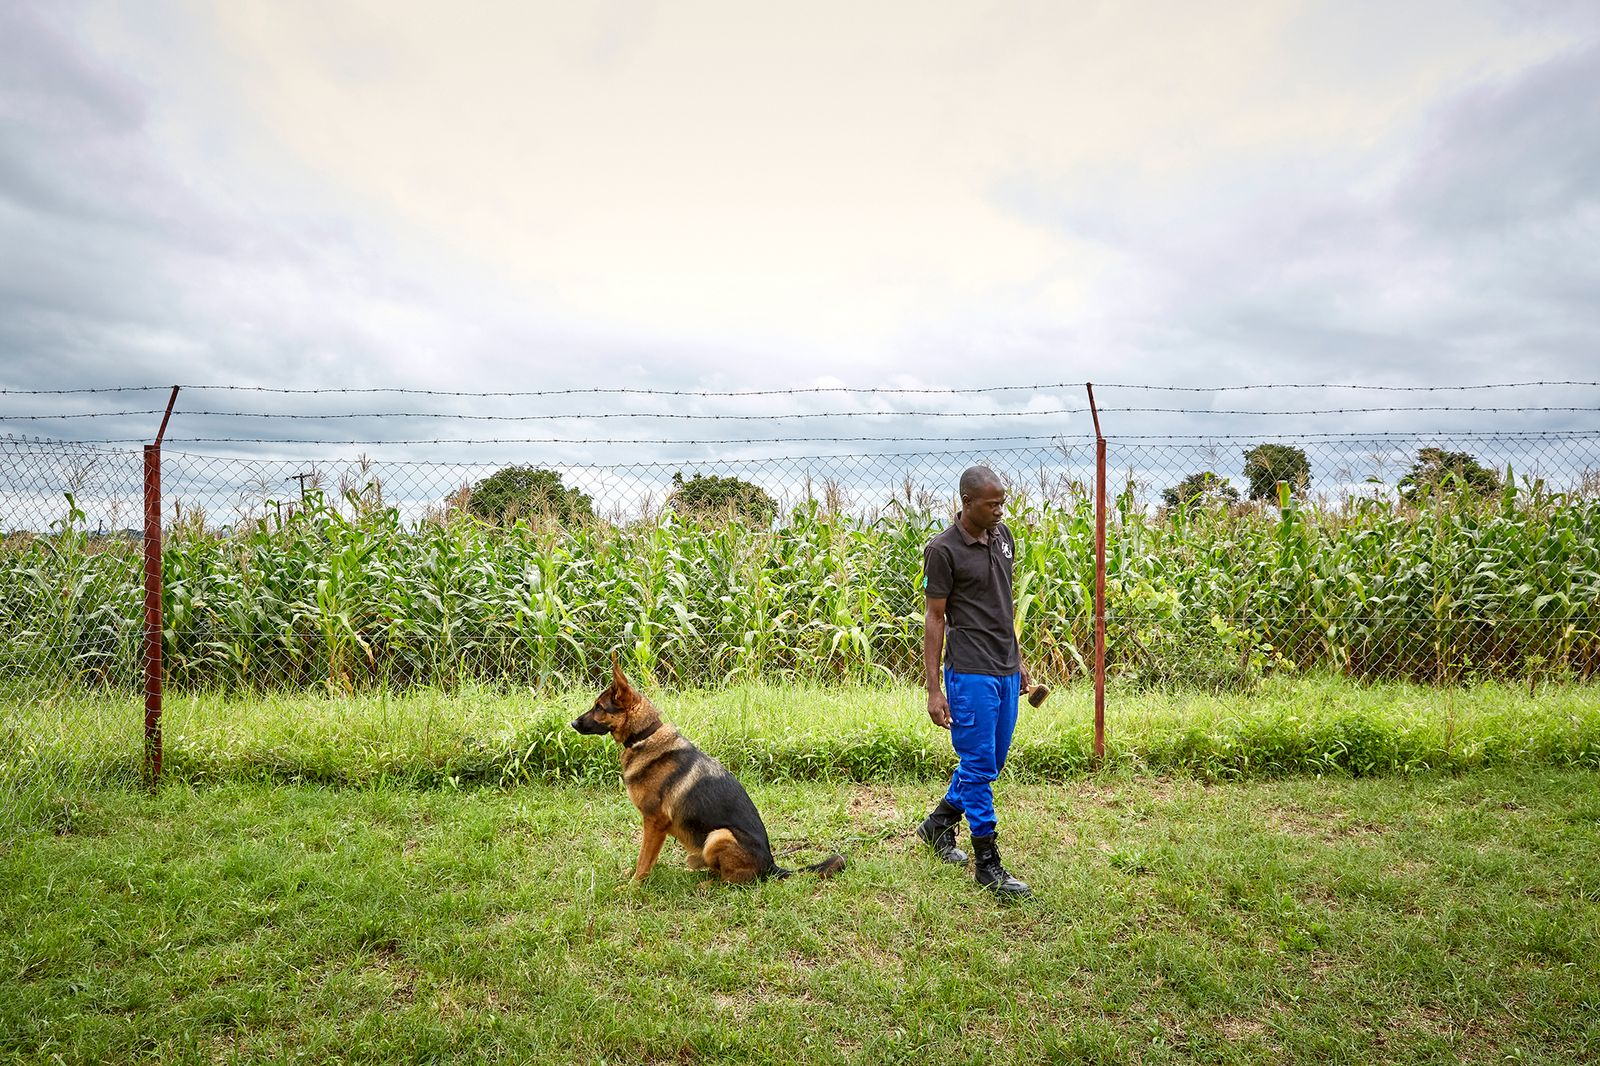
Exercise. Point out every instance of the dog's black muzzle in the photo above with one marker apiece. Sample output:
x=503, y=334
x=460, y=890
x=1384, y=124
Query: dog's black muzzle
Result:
x=587, y=725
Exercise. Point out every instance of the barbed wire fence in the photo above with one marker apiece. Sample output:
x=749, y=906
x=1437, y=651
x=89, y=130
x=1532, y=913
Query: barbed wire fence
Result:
x=779, y=541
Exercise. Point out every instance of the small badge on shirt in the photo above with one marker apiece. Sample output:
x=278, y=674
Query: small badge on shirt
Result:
x=1005, y=546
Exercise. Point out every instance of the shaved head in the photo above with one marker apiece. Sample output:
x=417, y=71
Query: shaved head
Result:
x=976, y=479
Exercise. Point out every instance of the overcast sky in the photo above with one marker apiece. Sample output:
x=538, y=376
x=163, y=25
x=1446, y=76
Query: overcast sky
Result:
x=725, y=196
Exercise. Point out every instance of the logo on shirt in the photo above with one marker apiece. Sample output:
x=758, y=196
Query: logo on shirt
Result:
x=1005, y=546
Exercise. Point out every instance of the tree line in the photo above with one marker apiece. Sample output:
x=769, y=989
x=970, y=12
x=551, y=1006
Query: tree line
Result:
x=535, y=492
x=1266, y=466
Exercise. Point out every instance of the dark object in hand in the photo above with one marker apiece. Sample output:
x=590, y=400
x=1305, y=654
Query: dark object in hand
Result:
x=1037, y=693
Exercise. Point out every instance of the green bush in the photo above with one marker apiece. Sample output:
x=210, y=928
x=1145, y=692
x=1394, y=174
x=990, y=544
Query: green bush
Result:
x=527, y=492
x=707, y=496
x=1437, y=471
x=1266, y=465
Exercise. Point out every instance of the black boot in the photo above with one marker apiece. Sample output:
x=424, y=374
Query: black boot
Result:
x=992, y=875
x=938, y=831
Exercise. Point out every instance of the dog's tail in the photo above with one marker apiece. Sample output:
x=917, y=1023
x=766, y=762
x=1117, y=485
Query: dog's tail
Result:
x=826, y=868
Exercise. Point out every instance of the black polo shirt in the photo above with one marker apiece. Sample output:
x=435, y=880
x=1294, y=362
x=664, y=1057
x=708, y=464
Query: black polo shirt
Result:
x=973, y=577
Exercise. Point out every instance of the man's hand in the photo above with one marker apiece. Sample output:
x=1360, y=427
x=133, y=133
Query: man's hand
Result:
x=939, y=709
x=1027, y=681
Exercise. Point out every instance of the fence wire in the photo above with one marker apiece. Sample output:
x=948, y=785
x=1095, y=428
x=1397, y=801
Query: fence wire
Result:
x=70, y=623
x=1440, y=560
x=1432, y=559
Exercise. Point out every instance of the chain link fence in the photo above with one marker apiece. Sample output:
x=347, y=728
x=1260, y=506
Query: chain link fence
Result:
x=1444, y=559
x=1433, y=559
x=71, y=617
x=353, y=574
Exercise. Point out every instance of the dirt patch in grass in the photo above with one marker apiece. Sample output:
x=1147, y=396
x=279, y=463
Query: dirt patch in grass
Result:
x=871, y=806
x=1325, y=827
x=1236, y=1030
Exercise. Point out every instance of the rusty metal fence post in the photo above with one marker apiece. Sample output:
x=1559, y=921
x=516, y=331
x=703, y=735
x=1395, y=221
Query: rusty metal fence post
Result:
x=1099, y=582
x=152, y=601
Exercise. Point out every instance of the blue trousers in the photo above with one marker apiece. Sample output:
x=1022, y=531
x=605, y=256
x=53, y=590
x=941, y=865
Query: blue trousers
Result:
x=983, y=715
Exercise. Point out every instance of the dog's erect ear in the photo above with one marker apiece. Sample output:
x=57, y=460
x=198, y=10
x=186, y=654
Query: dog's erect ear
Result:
x=621, y=683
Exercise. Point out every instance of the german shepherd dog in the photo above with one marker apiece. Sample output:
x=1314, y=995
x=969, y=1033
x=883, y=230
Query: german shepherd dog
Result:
x=682, y=791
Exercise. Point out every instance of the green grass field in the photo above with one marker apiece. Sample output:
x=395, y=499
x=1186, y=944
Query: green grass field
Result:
x=1420, y=918
x=472, y=737
x=1317, y=872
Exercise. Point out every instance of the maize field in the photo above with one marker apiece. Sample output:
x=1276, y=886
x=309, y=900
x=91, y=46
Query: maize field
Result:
x=343, y=592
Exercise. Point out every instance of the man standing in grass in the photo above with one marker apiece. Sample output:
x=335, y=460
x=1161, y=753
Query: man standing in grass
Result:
x=973, y=669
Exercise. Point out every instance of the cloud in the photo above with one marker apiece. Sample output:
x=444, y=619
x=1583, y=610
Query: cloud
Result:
x=684, y=196
x=1473, y=262
x=1456, y=248
x=134, y=259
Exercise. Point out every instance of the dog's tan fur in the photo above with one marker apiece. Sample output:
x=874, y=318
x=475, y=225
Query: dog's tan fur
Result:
x=682, y=792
